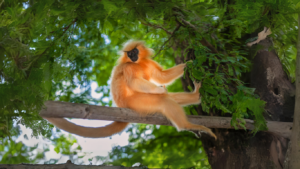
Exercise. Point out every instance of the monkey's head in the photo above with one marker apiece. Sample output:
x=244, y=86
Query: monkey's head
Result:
x=135, y=51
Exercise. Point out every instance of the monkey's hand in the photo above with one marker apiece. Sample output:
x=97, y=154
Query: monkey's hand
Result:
x=144, y=86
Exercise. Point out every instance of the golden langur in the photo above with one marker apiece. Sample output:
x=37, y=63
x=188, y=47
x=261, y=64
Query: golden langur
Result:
x=131, y=88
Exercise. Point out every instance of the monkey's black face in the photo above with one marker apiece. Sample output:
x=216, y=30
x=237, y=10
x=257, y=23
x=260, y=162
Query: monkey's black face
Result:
x=133, y=54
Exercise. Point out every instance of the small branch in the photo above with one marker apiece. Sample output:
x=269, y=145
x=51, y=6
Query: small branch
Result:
x=204, y=42
x=157, y=26
x=178, y=22
x=172, y=34
x=57, y=109
x=1, y=3
x=261, y=36
x=188, y=23
x=53, y=42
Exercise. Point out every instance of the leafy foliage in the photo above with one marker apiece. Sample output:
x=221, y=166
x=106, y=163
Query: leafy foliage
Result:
x=49, y=61
x=51, y=48
x=221, y=88
x=67, y=146
x=12, y=152
x=160, y=147
x=250, y=16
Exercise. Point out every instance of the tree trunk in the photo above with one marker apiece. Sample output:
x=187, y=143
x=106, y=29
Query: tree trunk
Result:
x=236, y=149
x=293, y=161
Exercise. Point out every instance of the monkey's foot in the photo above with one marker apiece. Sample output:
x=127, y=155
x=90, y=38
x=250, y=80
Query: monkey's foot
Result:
x=209, y=133
x=201, y=128
x=197, y=86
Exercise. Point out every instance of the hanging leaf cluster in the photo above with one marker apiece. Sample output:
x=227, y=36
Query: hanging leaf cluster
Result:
x=221, y=88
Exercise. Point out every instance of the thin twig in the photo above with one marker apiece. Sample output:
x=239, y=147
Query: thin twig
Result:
x=161, y=48
x=53, y=42
x=1, y=3
x=204, y=42
x=157, y=26
x=188, y=23
x=178, y=22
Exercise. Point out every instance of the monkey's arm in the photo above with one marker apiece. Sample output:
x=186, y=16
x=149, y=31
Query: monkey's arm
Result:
x=167, y=76
x=136, y=82
x=144, y=86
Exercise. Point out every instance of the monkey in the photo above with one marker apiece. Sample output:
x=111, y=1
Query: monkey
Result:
x=133, y=86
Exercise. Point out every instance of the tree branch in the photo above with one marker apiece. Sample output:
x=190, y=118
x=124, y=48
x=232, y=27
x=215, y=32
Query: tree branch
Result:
x=261, y=36
x=188, y=23
x=204, y=42
x=68, y=165
x=57, y=109
x=172, y=34
x=65, y=30
x=53, y=42
x=157, y=26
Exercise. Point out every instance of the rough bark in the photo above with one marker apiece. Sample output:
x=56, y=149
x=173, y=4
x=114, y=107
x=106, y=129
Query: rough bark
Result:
x=67, y=165
x=84, y=111
x=293, y=161
x=272, y=84
x=236, y=149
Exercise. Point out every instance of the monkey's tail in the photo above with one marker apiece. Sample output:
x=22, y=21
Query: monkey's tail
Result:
x=93, y=132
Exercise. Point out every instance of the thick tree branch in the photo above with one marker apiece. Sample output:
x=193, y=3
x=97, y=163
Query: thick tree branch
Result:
x=74, y=110
x=62, y=166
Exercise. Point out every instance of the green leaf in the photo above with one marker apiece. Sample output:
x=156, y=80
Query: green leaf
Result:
x=109, y=6
x=56, y=149
x=198, y=74
x=201, y=60
x=210, y=90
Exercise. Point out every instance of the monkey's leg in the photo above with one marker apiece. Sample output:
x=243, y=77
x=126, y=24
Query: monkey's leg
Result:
x=176, y=115
x=184, y=98
x=154, y=103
